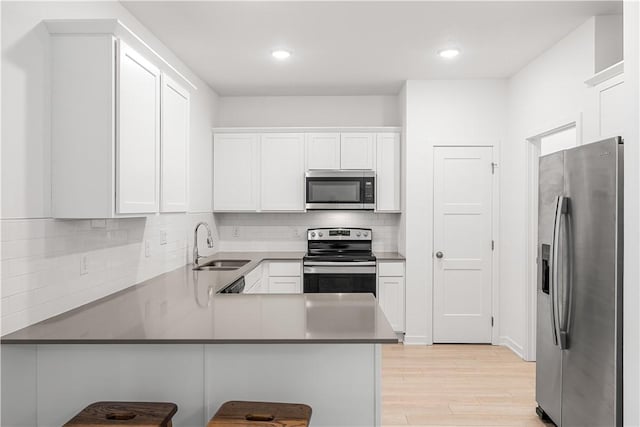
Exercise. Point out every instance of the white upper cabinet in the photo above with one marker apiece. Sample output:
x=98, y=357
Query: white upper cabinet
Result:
x=357, y=151
x=333, y=150
x=265, y=172
x=174, y=146
x=107, y=135
x=611, y=107
x=138, y=140
x=235, y=172
x=323, y=150
x=388, y=172
x=282, y=171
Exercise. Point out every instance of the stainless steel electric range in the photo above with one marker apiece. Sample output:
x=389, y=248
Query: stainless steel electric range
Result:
x=339, y=260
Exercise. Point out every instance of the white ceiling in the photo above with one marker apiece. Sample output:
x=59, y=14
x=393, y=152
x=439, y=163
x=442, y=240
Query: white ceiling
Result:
x=357, y=48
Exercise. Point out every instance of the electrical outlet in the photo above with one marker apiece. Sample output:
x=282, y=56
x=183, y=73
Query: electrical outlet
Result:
x=163, y=237
x=84, y=264
x=236, y=231
x=296, y=233
x=147, y=248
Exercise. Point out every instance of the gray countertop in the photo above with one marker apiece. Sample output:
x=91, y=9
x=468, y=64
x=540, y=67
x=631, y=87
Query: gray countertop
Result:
x=182, y=306
x=389, y=256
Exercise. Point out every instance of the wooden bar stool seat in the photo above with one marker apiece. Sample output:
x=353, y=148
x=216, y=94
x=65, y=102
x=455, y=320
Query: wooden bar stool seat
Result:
x=106, y=414
x=261, y=414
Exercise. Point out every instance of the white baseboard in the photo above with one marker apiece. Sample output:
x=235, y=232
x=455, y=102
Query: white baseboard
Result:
x=513, y=346
x=416, y=340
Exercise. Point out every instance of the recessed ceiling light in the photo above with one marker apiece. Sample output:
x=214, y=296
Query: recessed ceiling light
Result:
x=449, y=53
x=281, y=54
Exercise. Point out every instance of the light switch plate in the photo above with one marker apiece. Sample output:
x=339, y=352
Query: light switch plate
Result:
x=147, y=248
x=163, y=237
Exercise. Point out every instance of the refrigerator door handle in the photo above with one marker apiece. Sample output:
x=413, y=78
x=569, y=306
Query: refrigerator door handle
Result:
x=553, y=289
x=567, y=280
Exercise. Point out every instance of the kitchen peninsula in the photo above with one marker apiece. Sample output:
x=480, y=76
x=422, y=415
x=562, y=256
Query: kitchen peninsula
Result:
x=175, y=338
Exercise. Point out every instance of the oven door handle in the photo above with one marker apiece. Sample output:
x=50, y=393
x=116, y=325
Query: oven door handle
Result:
x=339, y=264
x=339, y=270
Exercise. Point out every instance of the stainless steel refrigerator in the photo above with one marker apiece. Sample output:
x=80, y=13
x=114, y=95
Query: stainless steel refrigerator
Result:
x=579, y=290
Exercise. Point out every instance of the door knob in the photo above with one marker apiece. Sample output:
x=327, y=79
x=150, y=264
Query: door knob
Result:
x=439, y=254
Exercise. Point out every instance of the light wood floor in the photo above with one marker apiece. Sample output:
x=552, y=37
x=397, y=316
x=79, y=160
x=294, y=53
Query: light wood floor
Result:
x=457, y=385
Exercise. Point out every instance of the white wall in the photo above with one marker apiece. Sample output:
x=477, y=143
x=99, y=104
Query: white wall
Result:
x=631, y=340
x=41, y=257
x=608, y=39
x=439, y=112
x=546, y=93
x=288, y=232
x=308, y=111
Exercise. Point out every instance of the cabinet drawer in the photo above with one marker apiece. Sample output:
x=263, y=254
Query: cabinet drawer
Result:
x=284, y=285
x=391, y=269
x=287, y=268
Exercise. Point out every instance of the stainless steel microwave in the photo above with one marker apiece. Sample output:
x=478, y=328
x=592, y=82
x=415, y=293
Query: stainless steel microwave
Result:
x=335, y=189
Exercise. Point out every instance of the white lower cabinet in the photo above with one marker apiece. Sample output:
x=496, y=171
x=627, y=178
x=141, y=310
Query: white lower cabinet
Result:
x=285, y=277
x=284, y=285
x=391, y=293
x=274, y=277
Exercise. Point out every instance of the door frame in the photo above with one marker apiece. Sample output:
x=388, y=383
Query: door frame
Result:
x=495, y=231
x=531, y=215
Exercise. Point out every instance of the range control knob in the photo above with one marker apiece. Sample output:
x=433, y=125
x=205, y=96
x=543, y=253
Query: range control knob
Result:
x=366, y=234
x=313, y=234
x=358, y=234
x=320, y=234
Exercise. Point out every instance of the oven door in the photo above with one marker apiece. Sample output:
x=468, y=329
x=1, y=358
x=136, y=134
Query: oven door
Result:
x=340, y=279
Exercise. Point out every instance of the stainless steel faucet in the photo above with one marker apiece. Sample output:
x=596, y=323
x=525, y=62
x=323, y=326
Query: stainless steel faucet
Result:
x=195, y=241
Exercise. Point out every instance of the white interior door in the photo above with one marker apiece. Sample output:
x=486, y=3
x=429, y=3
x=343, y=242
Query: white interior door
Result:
x=462, y=244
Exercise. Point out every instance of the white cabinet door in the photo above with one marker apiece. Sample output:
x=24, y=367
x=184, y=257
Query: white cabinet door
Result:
x=357, y=151
x=323, y=150
x=388, y=172
x=284, y=285
x=391, y=300
x=174, y=146
x=611, y=107
x=235, y=172
x=138, y=140
x=282, y=172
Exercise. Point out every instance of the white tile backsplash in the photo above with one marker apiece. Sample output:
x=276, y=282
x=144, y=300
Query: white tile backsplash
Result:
x=41, y=260
x=287, y=232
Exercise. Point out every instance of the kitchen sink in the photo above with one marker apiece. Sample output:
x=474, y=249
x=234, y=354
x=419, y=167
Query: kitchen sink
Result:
x=222, y=265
